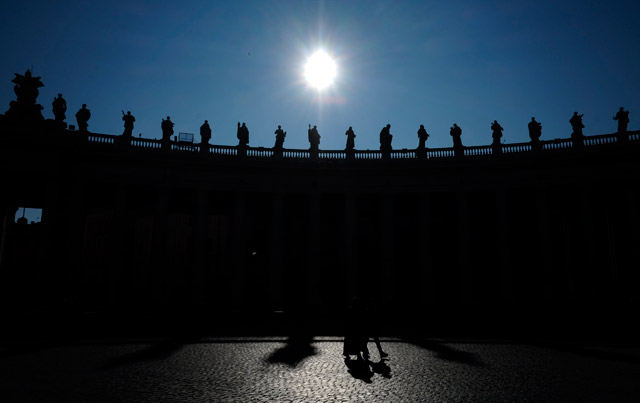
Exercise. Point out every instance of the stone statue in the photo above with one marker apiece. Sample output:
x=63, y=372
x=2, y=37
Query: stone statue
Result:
x=623, y=120
x=422, y=137
x=456, y=133
x=280, y=135
x=205, y=134
x=167, y=129
x=82, y=117
x=128, y=124
x=577, y=126
x=385, y=138
x=59, y=107
x=535, y=131
x=350, y=139
x=25, y=109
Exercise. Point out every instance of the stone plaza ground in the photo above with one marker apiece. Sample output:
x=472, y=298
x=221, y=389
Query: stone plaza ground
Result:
x=282, y=358
x=312, y=369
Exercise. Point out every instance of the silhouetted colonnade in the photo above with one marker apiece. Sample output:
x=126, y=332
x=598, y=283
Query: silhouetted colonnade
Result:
x=130, y=224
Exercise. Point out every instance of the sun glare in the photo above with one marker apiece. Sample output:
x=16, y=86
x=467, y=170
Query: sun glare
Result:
x=320, y=70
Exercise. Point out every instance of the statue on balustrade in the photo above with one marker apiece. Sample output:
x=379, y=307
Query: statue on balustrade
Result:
x=243, y=134
x=167, y=128
x=422, y=137
x=314, y=139
x=351, y=136
x=280, y=135
x=623, y=120
x=82, y=117
x=59, y=108
x=25, y=108
x=496, y=130
x=205, y=136
x=128, y=124
x=385, y=139
x=577, y=126
x=535, y=131
x=456, y=133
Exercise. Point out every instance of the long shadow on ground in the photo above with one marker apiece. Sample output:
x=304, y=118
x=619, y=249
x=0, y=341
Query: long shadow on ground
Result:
x=297, y=348
x=444, y=352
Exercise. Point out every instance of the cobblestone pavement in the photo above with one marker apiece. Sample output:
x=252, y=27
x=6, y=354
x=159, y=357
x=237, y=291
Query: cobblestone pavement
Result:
x=314, y=370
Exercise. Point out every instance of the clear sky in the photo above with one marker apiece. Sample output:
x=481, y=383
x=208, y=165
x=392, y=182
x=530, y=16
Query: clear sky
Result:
x=404, y=63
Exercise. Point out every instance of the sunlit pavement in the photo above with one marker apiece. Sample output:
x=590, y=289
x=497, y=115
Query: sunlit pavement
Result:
x=302, y=369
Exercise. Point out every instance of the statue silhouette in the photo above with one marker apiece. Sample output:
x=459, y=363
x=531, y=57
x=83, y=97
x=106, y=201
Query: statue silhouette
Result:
x=422, y=137
x=456, y=133
x=26, y=88
x=577, y=126
x=350, y=139
x=205, y=136
x=385, y=141
x=25, y=108
x=496, y=130
x=535, y=131
x=167, y=132
x=82, y=117
x=314, y=140
x=280, y=135
x=59, y=108
x=623, y=120
x=243, y=135
x=128, y=124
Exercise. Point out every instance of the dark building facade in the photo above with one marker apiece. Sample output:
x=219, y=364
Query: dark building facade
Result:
x=129, y=224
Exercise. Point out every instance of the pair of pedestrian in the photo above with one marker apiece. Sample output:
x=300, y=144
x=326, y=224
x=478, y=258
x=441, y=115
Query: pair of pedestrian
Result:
x=360, y=327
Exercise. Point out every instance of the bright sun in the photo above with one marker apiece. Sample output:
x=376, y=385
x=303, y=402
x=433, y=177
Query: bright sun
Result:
x=320, y=70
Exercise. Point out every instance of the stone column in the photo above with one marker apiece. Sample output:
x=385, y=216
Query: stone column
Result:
x=158, y=269
x=546, y=260
x=502, y=232
x=351, y=245
x=238, y=276
x=426, y=276
x=313, y=297
x=276, y=299
x=388, y=269
x=201, y=253
x=466, y=276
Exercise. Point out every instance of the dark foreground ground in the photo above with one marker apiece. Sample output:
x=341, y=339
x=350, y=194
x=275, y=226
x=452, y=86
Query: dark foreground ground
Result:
x=284, y=357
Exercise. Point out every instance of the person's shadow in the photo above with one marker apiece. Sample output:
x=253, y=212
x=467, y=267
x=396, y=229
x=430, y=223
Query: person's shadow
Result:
x=359, y=369
x=381, y=368
x=298, y=348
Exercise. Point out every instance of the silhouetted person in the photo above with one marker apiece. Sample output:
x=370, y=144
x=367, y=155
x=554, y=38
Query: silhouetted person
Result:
x=167, y=132
x=535, y=131
x=128, y=124
x=496, y=130
x=351, y=136
x=372, y=319
x=280, y=135
x=355, y=339
x=82, y=117
x=205, y=136
x=59, y=107
x=577, y=126
x=623, y=120
x=456, y=134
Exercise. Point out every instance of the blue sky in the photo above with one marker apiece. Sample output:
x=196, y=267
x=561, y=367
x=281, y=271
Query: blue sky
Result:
x=404, y=63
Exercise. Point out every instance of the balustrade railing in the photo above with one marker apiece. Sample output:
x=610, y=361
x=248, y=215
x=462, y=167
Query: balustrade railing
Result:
x=342, y=155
